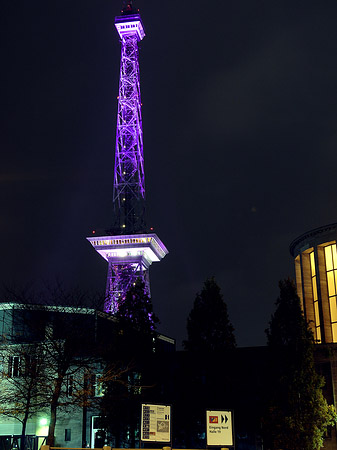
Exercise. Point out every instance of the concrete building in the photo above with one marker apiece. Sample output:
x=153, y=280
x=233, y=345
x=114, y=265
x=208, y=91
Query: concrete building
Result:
x=72, y=342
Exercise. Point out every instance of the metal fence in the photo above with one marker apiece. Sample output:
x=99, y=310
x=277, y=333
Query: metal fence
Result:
x=46, y=447
x=10, y=442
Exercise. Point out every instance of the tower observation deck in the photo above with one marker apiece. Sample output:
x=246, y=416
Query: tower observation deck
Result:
x=128, y=248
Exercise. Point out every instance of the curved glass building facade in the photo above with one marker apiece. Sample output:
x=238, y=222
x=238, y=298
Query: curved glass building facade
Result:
x=315, y=255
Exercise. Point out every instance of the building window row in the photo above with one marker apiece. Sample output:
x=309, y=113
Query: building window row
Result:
x=122, y=27
x=94, y=385
x=123, y=241
x=19, y=366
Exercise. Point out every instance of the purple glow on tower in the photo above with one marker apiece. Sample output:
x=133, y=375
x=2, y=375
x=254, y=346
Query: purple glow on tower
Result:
x=128, y=249
x=121, y=277
x=129, y=180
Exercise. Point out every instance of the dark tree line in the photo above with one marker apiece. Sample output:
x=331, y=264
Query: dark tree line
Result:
x=290, y=403
x=294, y=412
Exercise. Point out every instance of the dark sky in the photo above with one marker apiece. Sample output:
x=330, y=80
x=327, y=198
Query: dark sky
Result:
x=240, y=135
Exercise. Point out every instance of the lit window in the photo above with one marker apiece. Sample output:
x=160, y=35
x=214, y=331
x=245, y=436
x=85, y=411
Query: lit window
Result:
x=14, y=366
x=69, y=386
x=134, y=383
x=98, y=385
x=331, y=276
x=315, y=297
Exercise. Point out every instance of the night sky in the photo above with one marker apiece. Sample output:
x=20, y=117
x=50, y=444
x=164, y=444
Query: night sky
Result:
x=240, y=135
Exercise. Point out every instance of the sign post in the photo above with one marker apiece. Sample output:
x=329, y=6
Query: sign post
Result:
x=156, y=423
x=219, y=428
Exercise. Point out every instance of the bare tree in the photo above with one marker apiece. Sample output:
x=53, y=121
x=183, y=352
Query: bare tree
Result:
x=52, y=353
x=20, y=373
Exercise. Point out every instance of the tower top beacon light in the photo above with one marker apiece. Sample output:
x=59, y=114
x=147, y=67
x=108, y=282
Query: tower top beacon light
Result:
x=130, y=22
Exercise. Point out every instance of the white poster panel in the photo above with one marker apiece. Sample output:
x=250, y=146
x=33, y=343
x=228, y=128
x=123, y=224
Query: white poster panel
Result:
x=156, y=423
x=219, y=427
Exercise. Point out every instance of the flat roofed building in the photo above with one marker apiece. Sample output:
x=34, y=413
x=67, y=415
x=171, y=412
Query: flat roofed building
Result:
x=27, y=332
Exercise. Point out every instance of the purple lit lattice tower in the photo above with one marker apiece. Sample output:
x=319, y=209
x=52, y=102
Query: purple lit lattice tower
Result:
x=129, y=250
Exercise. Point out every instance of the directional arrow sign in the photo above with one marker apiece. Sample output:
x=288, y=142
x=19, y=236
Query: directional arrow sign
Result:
x=219, y=426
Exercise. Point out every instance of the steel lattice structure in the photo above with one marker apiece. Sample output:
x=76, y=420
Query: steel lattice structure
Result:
x=129, y=180
x=120, y=278
x=130, y=250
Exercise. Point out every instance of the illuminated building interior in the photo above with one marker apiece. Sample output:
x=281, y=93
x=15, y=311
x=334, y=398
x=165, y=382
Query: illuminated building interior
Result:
x=315, y=254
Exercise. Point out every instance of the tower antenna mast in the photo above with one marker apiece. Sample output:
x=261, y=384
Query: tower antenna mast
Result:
x=128, y=7
x=128, y=248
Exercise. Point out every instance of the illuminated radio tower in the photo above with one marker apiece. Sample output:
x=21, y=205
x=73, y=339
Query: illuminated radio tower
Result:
x=128, y=249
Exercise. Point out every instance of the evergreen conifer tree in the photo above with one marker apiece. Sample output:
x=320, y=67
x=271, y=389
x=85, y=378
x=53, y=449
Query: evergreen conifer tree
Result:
x=297, y=415
x=136, y=321
x=208, y=324
x=136, y=311
x=136, y=325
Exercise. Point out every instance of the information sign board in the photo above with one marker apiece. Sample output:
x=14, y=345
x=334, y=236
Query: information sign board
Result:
x=156, y=423
x=219, y=427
